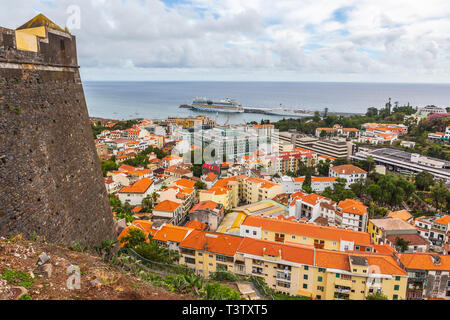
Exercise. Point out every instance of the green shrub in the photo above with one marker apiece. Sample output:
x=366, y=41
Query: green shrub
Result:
x=216, y=291
x=223, y=276
x=17, y=277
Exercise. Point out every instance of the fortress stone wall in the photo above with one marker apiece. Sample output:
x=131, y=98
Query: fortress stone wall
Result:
x=50, y=178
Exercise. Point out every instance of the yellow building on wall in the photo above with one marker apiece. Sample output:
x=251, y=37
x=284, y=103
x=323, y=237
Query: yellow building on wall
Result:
x=28, y=34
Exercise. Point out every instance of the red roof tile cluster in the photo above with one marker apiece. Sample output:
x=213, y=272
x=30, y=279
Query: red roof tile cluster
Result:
x=140, y=186
x=347, y=169
x=212, y=242
x=166, y=206
x=197, y=225
x=425, y=261
x=205, y=205
x=352, y=206
x=309, y=230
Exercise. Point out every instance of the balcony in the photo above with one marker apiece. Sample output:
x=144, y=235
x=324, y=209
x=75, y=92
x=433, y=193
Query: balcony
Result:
x=283, y=276
x=257, y=271
x=187, y=252
x=258, y=262
x=416, y=279
x=342, y=292
x=279, y=238
x=239, y=268
x=341, y=296
x=319, y=245
x=189, y=260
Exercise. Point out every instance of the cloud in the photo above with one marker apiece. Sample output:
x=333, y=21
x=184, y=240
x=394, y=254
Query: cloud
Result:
x=292, y=40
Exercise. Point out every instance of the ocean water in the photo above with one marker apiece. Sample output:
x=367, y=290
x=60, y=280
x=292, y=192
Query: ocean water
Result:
x=158, y=100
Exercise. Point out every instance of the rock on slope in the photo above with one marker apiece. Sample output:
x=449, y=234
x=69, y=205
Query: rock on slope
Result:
x=42, y=272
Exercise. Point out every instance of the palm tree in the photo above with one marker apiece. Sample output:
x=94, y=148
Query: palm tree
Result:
x=370, y=162
x=155, y=196
x=147, y=203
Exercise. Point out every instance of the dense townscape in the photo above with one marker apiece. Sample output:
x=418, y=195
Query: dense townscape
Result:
x=316, y=207
x=307, y=211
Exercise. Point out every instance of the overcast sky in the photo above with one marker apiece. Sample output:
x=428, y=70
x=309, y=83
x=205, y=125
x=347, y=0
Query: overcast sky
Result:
x=253, y=40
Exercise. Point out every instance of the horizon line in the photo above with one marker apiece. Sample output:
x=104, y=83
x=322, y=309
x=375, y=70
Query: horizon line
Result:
x=276, y=81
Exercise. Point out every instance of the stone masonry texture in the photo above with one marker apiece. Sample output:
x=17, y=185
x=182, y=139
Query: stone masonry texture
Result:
x=51, y=183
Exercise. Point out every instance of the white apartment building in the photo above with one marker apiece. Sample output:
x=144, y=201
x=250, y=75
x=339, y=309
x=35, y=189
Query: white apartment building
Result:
x=137, y=192
x=349, y=172
x=352, y=214
x=318, y=184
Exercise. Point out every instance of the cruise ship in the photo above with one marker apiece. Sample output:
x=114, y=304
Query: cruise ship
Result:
x=226, y=105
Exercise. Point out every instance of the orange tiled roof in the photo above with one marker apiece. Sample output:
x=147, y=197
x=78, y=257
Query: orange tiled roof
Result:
x=340, y=260
x=298, y=194
x=327, y=157
x=166, y=206
x=326, y=129
x=211, y=176
x=264, y=183
x=172, y=157
x=402, y=214
x=126, y=167
x=309, y=230
x=204, y=205
x=387, y=264
x=223, y=183
x=212, y=242
x=347, y=169
x=352, y=206
x=287, y=252
x=137, y=209
x=316, y=179
x=384, y=248
x=140, y=173
x=424, y=261
x=172, y=233
x=144, y=225
x=332, y=259
x=312, y=198
x=194, y=224
x=140, y=186
x=216, y=190
x=185, y=183
x=443, y=220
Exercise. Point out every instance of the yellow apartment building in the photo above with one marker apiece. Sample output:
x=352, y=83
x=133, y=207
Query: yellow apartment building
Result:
x=288, y=231
x=321, y=274
x=208, y=252
x=256, y=189
x=220, y=195
x=379, y=229
x=295, y=269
